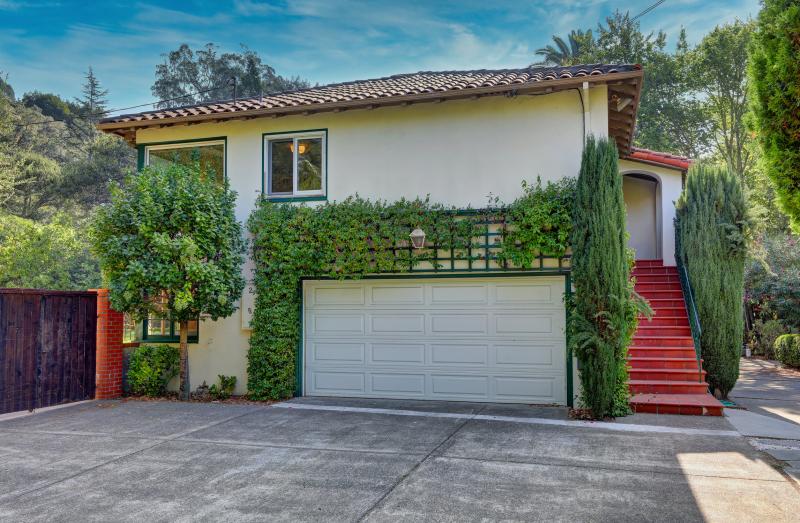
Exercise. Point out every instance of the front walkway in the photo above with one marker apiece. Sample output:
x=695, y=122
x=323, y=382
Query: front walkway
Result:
x=379, y=460
x=770, y=397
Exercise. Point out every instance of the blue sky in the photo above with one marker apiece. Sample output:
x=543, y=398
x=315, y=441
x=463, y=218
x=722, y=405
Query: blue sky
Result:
x=47, y=45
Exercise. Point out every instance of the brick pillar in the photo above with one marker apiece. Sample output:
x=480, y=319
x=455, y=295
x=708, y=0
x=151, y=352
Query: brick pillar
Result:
x=108, y=377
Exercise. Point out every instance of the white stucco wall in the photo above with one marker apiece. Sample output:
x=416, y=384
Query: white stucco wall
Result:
x=641, y=204
x=670, y=185
x=458, y=152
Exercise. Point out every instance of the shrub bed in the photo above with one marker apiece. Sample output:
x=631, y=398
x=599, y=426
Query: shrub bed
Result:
x=787, y=350
x=151, y=368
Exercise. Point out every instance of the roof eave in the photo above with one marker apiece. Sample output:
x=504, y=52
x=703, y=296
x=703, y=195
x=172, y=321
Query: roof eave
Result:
x=128, y=129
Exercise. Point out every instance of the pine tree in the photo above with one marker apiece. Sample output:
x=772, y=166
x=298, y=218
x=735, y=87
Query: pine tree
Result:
x=713, y=228
x=93, y=103
x=600, y=317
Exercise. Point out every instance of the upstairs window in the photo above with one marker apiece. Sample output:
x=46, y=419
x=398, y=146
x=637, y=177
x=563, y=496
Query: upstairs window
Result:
x=209, y=155
x=294, y=165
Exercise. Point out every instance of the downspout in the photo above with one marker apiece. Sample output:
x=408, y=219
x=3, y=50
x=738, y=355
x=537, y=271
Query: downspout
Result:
x=587, y=110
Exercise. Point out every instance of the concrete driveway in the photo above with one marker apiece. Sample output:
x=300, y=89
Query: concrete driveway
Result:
x=378, y=460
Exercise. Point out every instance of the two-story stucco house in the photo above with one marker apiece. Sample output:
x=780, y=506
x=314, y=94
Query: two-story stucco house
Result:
x=457, y=136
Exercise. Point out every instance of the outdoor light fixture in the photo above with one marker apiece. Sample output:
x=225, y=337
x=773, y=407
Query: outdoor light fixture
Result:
x=417, y=238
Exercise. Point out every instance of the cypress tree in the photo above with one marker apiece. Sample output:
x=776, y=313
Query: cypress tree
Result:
x=713, y=226
x=601, y=312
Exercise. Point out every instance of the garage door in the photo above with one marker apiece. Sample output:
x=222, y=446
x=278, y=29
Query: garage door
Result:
x=471, y=339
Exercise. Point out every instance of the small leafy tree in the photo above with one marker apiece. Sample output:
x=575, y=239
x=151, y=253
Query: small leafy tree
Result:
x=603, y=314
x=774, y=69
x=170, y=235
x=713, y=229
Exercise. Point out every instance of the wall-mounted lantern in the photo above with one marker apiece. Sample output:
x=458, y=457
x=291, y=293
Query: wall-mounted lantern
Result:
x=417, y=238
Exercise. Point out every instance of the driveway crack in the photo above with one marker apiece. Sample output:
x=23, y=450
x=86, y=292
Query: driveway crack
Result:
x=445, y=442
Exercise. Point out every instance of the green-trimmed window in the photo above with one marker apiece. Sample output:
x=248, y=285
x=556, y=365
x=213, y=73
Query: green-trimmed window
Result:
x=159, y=327
x=294, y=165
x=210, y=156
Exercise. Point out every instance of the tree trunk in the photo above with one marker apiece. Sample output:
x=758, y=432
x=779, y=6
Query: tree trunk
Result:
x=184, y=348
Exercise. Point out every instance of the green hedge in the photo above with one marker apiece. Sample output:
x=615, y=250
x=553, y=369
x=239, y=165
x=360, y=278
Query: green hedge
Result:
x=151, y=368
x=355, y=237
x=713, y=227
x=605, y=308
x=787, y=349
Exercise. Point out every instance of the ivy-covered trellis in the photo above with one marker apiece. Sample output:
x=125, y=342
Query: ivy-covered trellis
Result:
x=357, y=237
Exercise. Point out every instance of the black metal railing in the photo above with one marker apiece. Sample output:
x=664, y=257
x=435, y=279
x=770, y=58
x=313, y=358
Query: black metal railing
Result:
x=688, y=299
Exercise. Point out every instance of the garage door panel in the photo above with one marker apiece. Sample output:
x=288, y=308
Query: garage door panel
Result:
x=398, y=353
x=526, y=294
x=337, y=295
x=396, y=383
x=477, y=339
x=459, y=323
x=324, y=323
x=341, y=352
x=396, y=295
x=449, y=385
x=530, y=355
x=401, y=324
x=459, y=294
x=459, y=354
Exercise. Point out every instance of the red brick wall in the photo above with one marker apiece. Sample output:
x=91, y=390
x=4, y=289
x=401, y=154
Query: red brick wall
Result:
x=108, y=377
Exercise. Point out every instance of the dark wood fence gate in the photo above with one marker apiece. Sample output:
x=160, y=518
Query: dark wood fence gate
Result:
x=47, y=348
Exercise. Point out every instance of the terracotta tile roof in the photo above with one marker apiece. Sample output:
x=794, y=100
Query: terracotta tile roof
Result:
x=666, y=159
x=381, y=91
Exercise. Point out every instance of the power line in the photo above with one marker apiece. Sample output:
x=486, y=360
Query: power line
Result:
x=647, y=10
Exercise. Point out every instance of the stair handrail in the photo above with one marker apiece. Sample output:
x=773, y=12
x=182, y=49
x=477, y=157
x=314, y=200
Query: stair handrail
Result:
x=688, y=300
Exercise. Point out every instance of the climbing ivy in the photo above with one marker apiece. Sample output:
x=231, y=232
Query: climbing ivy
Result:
x=356, y=237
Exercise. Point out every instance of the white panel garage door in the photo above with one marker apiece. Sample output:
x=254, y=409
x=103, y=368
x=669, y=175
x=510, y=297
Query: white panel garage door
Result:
x=468, y=339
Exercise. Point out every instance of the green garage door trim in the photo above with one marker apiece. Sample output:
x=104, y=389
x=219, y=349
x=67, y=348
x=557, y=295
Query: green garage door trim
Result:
x=301, y=363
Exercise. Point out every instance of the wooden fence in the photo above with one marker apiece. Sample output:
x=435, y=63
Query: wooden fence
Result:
x=47, y=348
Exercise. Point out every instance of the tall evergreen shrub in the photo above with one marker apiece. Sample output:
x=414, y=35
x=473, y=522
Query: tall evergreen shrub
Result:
x=713, y=226
x=602, y=312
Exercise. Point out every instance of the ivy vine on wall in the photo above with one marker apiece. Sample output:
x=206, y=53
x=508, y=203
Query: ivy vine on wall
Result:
x=356, y=237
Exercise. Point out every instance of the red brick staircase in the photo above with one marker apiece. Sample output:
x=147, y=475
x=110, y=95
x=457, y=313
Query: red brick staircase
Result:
x=664, y=375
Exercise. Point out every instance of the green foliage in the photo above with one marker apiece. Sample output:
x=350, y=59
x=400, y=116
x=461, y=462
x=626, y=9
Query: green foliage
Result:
x=713, y=228
x=151, y=368
x=170, y=238
x=187, y=77
x=763, y=336
x=225, y=388
x=45, y=255
x=600, y=319
x=772, y=280
x=569, y=52
x=541, y=222
x=169, y=232
x=355, y=237
x=787, y=349
x=774, y=70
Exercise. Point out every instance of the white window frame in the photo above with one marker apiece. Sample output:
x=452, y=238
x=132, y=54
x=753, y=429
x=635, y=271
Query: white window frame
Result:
x=187, y=145
x=267, y=167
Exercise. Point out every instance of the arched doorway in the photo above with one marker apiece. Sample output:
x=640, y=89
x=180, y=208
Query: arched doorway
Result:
x=642, y=194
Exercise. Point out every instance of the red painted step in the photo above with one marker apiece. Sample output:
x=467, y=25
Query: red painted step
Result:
x=664, y=321
x=657, y=278
x=671, y=375
x=661, y=352
x=691, y=404
x=663, y=341
x=662, y=362
x=663, y=330
x=667, y=387
x=664, y=375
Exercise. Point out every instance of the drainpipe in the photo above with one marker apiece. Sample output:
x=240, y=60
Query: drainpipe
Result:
x=587, y=111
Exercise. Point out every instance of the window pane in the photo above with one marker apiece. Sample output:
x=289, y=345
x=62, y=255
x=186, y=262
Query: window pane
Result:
x=209, y=158
x=192, y=328
x=309, y=164
x=280, y=169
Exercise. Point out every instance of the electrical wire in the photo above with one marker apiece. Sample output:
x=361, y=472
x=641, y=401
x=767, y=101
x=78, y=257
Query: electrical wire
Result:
x=648, y=9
